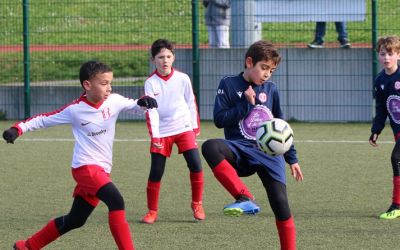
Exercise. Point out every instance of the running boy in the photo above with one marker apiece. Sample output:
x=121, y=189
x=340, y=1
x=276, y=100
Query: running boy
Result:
x=387, y=94
x=92, y=118
x=243, y=102
x=175, y=121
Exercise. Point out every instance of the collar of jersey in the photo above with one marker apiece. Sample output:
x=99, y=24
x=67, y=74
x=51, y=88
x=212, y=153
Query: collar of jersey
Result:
x=85, y=100
x=245, y=81
x=167, y=77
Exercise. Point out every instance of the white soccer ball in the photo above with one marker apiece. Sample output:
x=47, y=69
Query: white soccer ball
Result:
x=274, y=137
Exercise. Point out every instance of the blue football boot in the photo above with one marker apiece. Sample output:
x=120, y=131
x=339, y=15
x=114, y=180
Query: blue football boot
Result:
x=241, y=206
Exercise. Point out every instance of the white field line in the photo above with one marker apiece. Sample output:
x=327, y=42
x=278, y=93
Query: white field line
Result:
x=200, y=140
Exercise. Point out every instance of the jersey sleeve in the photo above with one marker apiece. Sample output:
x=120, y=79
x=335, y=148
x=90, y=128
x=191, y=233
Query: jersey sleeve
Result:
x=192, y=105
x=128, y=105
x=152, y=116
x=378, y=123
x=276, y=108
x=291, y=155
x=225, y=113
x=45, y=120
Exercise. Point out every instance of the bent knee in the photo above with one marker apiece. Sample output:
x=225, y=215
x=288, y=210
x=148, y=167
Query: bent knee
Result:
x=208, y=148
x=76, y=223
x=212, y=151
x=117, y=203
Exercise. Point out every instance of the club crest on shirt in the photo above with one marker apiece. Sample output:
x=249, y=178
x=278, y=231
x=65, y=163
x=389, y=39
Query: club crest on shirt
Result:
x=249, y=125
x=239, y=93
x=262, y=97
x=106, y=113
x=393, y=107
x=397, y=85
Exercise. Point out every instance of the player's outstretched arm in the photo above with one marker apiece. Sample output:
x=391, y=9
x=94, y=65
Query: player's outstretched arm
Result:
x=10, y=135
x=147, y=102
x=372, y=139
x=296, y=171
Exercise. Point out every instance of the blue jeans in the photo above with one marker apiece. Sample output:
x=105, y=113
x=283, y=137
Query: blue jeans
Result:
x=321, y=28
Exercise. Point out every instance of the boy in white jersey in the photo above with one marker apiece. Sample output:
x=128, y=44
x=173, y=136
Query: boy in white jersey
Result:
x=175, y=121
x=92, y=118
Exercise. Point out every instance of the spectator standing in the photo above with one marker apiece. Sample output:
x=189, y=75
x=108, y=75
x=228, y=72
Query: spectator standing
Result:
x=218, y=20
x=320, y=29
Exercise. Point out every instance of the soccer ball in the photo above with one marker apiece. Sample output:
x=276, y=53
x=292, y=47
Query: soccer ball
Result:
x=274, y=136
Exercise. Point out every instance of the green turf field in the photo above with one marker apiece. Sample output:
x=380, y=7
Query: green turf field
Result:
x=347, y=184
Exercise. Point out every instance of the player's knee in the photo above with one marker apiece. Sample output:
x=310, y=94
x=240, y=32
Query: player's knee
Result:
x=215, y=151
x=282, y=212
x=117, y=203
x=110, y=195
x=76, y=222
x=209, y=149
x=156, y=174
x=280, y=206
x=69, y=222
x=395, y=164
x=193, y=161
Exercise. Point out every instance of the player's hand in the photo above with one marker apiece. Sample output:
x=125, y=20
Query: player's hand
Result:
x=147, y=102
x=156, y=142
x=296, y=172
x=372, y=139
x=10, y=135
x=250, y=95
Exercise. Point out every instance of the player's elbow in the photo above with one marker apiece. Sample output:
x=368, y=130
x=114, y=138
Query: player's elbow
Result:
x=218, y=124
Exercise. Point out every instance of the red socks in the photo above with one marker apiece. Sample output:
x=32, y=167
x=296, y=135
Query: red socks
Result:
x=287, y=234
x=396, y=190
x=118, y=225
x=153, y=193
x=43, y=237
x=197, y=183
x=227, y=176
x=120, y=230
x=153, y=190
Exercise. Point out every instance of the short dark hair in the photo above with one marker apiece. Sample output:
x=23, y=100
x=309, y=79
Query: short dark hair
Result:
x=263, y=50
x=160, y=44
x=92, y=68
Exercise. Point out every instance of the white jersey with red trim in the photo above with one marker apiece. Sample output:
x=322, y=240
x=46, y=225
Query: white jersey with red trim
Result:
x=93, y=127
x=177, y=109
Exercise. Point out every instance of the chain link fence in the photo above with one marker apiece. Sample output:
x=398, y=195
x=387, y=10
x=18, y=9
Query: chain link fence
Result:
x=54, y=37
